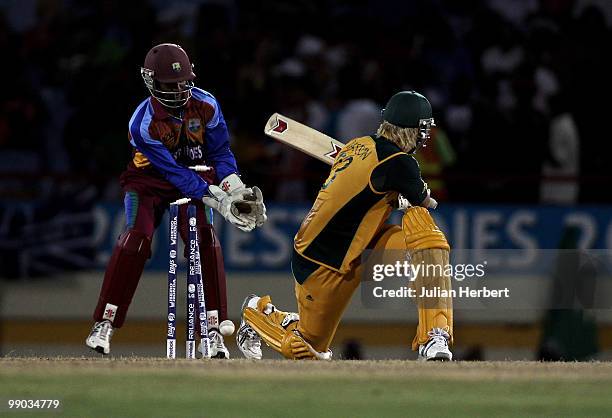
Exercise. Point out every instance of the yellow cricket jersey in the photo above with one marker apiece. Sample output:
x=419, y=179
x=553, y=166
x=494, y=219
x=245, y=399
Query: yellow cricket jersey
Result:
x=356, y=200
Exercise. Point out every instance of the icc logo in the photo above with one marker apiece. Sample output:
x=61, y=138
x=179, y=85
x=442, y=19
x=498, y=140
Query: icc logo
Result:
x=171, y=317
x=173, y=253
x=191, y=288
x=192, y=221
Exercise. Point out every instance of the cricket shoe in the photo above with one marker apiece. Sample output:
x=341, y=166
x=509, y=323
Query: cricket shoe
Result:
x=100, y=336
x=247, y=339
x=436, y=348
x=217, y=345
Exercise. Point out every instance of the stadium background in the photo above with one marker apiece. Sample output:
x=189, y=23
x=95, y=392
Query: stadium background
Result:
x=518, y=92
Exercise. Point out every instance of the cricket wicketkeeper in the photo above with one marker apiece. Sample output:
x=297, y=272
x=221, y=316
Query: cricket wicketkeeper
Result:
x=177, y=127
x=348, y=217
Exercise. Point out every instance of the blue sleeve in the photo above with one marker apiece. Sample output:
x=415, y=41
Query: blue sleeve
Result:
x=218, y=152
x=184, y=179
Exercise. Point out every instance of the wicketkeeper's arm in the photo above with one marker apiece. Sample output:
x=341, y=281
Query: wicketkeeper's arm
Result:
x=184, y=179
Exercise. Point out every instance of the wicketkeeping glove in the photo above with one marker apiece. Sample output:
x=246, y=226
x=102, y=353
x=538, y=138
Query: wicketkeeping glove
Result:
x=226, y=205
x=258, y=207
x=250, y=207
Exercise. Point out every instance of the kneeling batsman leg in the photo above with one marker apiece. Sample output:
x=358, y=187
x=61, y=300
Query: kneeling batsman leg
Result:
x=278, y=329
x=427, y=246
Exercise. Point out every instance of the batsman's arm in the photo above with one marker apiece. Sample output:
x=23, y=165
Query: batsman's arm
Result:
x=402, y=174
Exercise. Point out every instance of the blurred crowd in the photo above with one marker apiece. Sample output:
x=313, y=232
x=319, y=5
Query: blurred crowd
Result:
x=517, y=87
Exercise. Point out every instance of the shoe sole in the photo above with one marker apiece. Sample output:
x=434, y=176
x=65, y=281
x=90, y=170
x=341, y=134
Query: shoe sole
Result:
x=437, y=357
x=250, y=357
x=219, y=355
x=98, y=349
x=441, y=359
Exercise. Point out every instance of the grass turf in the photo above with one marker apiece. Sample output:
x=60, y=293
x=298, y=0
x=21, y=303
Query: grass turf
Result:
x=134, y=387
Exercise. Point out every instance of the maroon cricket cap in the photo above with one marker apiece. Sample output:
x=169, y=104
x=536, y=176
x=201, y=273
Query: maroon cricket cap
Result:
x=169, y=63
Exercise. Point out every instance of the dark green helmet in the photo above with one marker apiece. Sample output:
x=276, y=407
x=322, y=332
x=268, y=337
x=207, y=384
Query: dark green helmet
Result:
x=409, y=109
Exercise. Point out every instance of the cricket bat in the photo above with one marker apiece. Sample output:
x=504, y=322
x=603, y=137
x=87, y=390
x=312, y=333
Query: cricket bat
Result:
x=303, y=138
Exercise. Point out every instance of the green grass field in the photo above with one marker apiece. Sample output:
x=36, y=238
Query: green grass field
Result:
x=138, y=387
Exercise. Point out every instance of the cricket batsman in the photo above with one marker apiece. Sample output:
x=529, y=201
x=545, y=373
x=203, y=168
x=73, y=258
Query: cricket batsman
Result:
x=348, y=217
x=177, y=127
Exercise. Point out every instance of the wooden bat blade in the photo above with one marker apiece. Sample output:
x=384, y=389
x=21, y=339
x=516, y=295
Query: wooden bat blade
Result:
x=303, y=138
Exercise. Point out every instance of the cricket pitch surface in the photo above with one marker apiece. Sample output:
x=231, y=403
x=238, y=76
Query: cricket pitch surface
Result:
x=148, y=387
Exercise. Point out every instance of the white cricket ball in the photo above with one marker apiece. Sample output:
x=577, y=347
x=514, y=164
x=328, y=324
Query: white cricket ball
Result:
x=226, y=328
